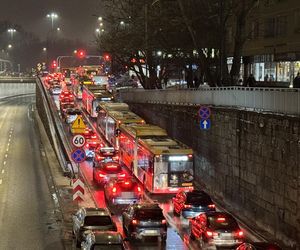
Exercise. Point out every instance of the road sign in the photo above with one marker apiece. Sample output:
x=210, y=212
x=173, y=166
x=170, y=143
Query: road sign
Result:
x=204, y=112
x=78, y=141
x=78, y=155
x=78, y=190
x=205, y=124
x=78, y=126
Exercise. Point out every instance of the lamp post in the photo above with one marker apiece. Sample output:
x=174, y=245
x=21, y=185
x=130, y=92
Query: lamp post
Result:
x=52, y=16
x=11, y=31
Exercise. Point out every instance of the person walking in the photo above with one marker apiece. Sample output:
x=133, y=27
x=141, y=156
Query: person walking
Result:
x=296, y=81
x=251, y=81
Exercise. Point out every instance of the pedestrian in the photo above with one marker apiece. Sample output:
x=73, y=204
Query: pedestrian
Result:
x=251, y=81
x=296, y=82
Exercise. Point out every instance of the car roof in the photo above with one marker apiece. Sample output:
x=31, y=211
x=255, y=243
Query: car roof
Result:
x=145, y=205
x=96, y=211
x=109, y=237
x=197, y=193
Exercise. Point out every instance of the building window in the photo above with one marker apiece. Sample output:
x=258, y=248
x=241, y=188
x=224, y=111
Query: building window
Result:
x=269, y=30
x=281, y=25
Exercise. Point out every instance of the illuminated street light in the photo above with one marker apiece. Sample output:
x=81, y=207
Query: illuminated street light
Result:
x=9, y=46
x=97, y=30
x=102, y=30
x=58, y=29
x=11, y=31
x=101, y=24
x=159, y=53
x=75, y=51
x=122, y=23
x=100, y=18
x=44, y=49
x=52, y=16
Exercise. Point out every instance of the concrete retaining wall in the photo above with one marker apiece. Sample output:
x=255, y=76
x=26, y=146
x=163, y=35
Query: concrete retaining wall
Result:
x=248, y=159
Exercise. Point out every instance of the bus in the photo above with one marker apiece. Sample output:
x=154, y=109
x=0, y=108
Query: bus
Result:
x=92, y=96
x=109, y=121
x=161, y=163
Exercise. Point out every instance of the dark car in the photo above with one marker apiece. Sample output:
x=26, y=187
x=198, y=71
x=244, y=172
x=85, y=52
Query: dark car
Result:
x=65, y=106
x=258, y=246
x=107, y=170
x=144, y=220
x=122, y=192
x=99, y=240
x=109, y=153
x=191, y=204
x=91, y=219
x=71, y=114
x=218, y=229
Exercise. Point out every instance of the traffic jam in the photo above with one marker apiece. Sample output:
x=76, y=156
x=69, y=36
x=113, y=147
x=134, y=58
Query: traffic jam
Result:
x=141, y=178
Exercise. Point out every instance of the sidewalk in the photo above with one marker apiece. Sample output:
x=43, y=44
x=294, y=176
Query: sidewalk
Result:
x=62, y=186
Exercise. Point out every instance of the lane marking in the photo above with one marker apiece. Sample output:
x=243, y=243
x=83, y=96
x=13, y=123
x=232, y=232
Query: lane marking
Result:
x=2, y=172
x=7, y=149
x=0, y=181
x=9, y=140
x=5, y=155
x=4, y=163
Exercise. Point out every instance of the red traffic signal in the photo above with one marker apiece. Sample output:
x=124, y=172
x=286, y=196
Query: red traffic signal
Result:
x=106, y=57
x=54, y=65
x=81, y=53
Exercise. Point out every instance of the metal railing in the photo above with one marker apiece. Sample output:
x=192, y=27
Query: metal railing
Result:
x=277, y=100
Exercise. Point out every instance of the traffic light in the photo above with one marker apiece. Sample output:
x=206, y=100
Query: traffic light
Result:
x=54, y=65
x=81, y=53
x=106, y=57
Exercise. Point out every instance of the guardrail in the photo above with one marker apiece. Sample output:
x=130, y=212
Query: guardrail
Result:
x=57, y=141
x=9, y=79
x=276, y=100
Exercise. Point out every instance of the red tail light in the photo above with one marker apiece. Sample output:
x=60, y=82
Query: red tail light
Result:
x=134, y=222
x=211, y=234
x=190, y=156
x=163, y=221
x=221, y=219
x=114, y=190
x=187, y=206
x=101, y=175
x=212, y=206
x=121, y=175
x=240, y=234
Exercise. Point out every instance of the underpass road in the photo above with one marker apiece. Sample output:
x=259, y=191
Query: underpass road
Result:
x=27, y=213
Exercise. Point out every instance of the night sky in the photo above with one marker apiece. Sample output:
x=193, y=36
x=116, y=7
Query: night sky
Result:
x=75, y=16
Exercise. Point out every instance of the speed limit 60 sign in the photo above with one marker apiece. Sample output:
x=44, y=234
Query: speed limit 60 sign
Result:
x=78, y=141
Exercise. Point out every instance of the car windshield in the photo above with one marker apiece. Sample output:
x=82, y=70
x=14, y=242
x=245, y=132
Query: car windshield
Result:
x=202, y=199
x=97, y=221
x=222, y=223
x=107, y=246
x=142, y=214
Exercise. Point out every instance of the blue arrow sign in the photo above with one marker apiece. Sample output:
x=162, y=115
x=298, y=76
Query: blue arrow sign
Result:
x=78, y=155
x=204, y=112
x=205, y=124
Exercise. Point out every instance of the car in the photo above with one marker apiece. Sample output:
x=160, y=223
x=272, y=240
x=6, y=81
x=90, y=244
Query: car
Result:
x=89, y=134
x=99, y=240
x=91, y=219
x=258, y=246
x=191, y=204
x=66, y=96
x=107, y=170
x=144, y=220
x=55, y=90
x=71, y=114
x=122, y=192
x=90, y=147
x=110, y=153
x=217, y=229
x=65, y=106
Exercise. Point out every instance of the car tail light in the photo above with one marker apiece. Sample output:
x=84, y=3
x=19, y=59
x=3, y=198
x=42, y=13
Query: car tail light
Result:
x=139, y=189
x=187, y=206
x=127, y=183
x=240, y=234
x=87, y=145
x=221, y=219
x=134, y=222
x=94, y=137
x=99, y=158
x=122, y=176
x=212, y=206
x=211, y=234
x=190, y=156
x=163, y=221
x=111, y=166
x=114, y=190
x=101, y=175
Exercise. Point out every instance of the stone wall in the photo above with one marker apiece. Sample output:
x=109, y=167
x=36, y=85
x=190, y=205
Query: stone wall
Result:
x=247, y=159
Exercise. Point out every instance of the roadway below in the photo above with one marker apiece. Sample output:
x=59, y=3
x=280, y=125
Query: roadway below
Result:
x=27, y=211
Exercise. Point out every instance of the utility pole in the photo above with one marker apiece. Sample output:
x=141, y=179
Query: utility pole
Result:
x=146, y=39
x=221, y=52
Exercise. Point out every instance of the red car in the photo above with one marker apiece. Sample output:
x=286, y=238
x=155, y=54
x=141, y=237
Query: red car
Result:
x=217, y=229
x=107, y=170
x=106, y=153
x=66, y=96
x=90, y=134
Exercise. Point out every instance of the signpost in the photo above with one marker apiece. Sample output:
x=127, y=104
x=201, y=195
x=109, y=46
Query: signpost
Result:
x=204, y=113
x=78, y=156
x=78, y=126
x=78, y=141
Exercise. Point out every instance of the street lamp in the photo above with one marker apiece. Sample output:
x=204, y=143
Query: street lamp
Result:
x=11, y=31
x=122, y=23
x=100, y=18
x=100, y=24
x=58, y=29
x=44, y=49
x=97, y=30
x=9, y=46
x=52, y=16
